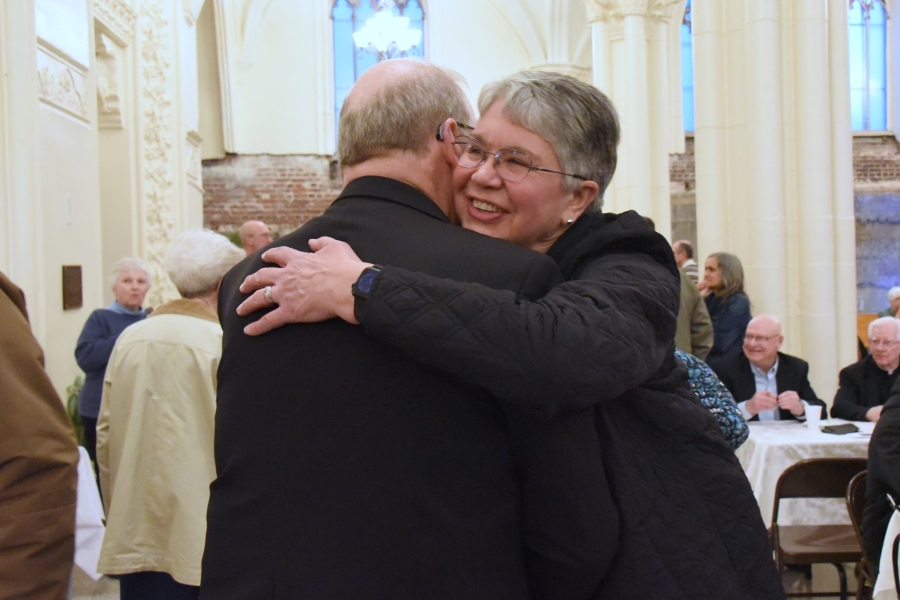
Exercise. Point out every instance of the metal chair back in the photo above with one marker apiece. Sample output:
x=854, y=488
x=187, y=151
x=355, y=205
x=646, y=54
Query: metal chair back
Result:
x=817, y=478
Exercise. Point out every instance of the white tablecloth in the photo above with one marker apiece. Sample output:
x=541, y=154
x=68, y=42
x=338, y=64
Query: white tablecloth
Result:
x=773, y=446
x=884, y=585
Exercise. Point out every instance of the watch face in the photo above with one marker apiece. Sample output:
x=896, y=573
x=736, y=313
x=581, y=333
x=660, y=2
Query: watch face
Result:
x=365, y=281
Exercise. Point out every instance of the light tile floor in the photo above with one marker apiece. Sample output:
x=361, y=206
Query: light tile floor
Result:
x=85, y=588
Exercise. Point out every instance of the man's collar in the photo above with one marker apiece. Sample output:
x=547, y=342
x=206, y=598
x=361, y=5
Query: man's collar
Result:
x=392, y=190
x=869, y=357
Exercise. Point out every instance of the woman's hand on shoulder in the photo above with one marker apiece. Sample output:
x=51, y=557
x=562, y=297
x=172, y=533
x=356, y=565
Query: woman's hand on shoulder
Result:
x=308, y=287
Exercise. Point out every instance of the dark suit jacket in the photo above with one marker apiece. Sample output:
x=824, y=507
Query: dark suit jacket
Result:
x=792, y=375
x=861, y=386
x=883, y=476
x=348, y=470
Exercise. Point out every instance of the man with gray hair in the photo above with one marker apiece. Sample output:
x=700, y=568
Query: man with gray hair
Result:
x=865, y=385
x=346, y=469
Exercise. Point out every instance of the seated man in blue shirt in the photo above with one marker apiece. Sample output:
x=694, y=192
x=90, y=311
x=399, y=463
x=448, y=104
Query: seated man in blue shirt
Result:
x=767, y=384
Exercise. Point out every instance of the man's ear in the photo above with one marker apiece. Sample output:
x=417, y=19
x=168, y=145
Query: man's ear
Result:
x=447, y=131
x=581, y=200
x=446, y=136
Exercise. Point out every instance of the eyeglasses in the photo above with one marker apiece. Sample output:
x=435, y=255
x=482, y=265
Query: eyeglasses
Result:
x=758, y=338
x=882, y=343
x=511, y=165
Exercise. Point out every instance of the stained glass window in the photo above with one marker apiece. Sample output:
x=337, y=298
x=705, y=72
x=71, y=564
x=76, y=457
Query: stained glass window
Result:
x=868, y=65
x=350, y=16
x=687, y=70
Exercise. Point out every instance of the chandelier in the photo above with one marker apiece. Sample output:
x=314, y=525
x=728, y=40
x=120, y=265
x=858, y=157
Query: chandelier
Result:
x=387, y=35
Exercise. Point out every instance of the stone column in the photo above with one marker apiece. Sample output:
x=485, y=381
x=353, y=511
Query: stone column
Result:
x=21, y=214
x=815, y=190
x=842, y=183
x=757, y=190
x=633, y=102
x=710, y=127
x=774, y=166
x=630, y=51
x=658, y=109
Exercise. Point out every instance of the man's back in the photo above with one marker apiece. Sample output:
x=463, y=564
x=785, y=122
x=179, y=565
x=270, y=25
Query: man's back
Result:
x=347, y=470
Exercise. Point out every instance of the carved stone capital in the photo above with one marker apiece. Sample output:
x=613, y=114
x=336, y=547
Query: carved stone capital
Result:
x=597, y=10
x=117, y=17
x=632, y=7
x=661, y=10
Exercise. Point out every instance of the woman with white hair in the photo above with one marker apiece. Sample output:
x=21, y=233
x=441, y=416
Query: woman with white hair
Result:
x=155, y=429
x=131, y=282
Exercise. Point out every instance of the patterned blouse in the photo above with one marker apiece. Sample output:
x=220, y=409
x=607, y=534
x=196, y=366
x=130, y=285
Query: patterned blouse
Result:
x=716, y=397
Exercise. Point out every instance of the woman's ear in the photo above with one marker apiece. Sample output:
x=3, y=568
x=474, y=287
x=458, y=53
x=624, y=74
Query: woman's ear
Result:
x=581, y=200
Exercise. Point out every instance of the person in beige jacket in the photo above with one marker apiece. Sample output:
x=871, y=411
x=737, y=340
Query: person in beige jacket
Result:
x=38, y=465
x=155, y=429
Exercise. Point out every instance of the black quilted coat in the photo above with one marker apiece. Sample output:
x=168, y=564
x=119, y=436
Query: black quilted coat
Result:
x=690, y=526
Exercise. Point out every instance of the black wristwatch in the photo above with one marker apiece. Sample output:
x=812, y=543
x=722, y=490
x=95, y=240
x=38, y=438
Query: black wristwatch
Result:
x=363, y=287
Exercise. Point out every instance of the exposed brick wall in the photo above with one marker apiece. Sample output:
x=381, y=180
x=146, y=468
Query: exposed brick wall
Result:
x=282, y=191
x=876, y=160
x=681, y=169
x=682, y=188
x=287, y=191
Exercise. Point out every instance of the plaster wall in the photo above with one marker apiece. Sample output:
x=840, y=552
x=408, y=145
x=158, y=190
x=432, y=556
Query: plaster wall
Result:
x=71, y=208
x=68, y=176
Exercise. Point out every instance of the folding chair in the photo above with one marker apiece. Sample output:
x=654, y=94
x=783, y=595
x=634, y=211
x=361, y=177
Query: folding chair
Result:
x=805, y=545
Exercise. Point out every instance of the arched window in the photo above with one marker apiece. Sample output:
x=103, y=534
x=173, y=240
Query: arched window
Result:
x=687, y=70
x=349, y=16
x=868, y=65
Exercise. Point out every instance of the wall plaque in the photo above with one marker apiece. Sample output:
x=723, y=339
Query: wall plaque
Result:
x=72, y=287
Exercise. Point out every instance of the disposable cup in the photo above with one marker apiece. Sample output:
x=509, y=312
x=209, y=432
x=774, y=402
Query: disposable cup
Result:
x=813, y=417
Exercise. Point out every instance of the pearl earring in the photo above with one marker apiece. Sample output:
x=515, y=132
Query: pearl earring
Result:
x=569, y=222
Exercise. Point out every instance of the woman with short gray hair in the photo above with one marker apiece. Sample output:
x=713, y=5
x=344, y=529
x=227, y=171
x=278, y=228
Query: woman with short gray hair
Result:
x=155, y=430
x=131, y=281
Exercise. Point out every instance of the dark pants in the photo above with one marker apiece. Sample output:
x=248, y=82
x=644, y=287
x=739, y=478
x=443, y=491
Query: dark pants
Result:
x=150, y=585
x=90, y=444
x=90, y=437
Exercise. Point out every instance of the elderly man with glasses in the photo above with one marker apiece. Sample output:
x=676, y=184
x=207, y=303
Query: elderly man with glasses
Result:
x=865, y=385
x=768, y=385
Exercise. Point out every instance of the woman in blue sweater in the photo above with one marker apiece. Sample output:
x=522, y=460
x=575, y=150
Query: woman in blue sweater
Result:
x=728, y=305
x=95, y=344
